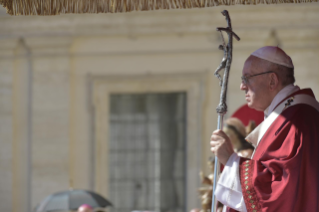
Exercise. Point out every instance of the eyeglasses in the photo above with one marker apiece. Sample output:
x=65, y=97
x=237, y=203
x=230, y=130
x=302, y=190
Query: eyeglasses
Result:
x=244, y=79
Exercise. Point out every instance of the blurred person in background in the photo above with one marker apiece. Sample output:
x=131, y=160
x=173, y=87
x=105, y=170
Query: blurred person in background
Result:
x=85, y=208
x=236, y=131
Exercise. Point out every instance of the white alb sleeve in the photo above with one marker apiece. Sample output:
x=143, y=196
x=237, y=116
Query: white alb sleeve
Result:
x=228, y=189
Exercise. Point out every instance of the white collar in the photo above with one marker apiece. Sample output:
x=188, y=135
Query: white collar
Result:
x=281, y=95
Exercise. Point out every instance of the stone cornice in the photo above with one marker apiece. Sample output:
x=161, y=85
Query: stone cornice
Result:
x=283, y=16
x=36, y=45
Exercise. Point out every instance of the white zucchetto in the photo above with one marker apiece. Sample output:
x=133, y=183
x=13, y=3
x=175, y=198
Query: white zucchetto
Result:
x=275, y=55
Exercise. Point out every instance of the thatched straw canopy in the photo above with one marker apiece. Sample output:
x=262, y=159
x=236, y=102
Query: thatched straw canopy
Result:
x=54, y=7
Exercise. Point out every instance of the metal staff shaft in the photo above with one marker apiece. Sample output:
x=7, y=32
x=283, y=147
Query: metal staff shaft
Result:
x=217, y=166
x=222, y=107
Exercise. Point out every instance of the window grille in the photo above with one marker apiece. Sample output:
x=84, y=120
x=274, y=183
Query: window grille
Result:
x=147, y=152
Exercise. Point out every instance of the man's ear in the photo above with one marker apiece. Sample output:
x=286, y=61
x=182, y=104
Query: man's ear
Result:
x=274, y=81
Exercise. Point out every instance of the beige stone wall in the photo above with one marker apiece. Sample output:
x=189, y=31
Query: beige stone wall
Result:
x=6, y=65
x=71, y=62
x=50, y=119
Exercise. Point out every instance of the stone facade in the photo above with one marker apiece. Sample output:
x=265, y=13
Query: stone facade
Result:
x=56, y=73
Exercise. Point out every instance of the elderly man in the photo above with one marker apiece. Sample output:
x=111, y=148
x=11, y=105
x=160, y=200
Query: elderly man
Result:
x=283, y=173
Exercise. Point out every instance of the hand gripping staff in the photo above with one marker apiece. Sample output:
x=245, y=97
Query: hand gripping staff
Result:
x=222, y=107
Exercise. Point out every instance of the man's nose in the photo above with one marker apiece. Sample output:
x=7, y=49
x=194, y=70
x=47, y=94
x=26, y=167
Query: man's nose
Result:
x=243, y=86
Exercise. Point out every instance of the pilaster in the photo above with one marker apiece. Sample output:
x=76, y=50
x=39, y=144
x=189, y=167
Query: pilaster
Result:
x=22, y=129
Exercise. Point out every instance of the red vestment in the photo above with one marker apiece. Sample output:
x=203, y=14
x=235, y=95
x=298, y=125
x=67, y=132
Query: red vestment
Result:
x=283, y=174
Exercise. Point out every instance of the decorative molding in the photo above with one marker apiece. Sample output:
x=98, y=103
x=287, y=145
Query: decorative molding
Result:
x=192, y=84
x=133, y=24
x=38, y=7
